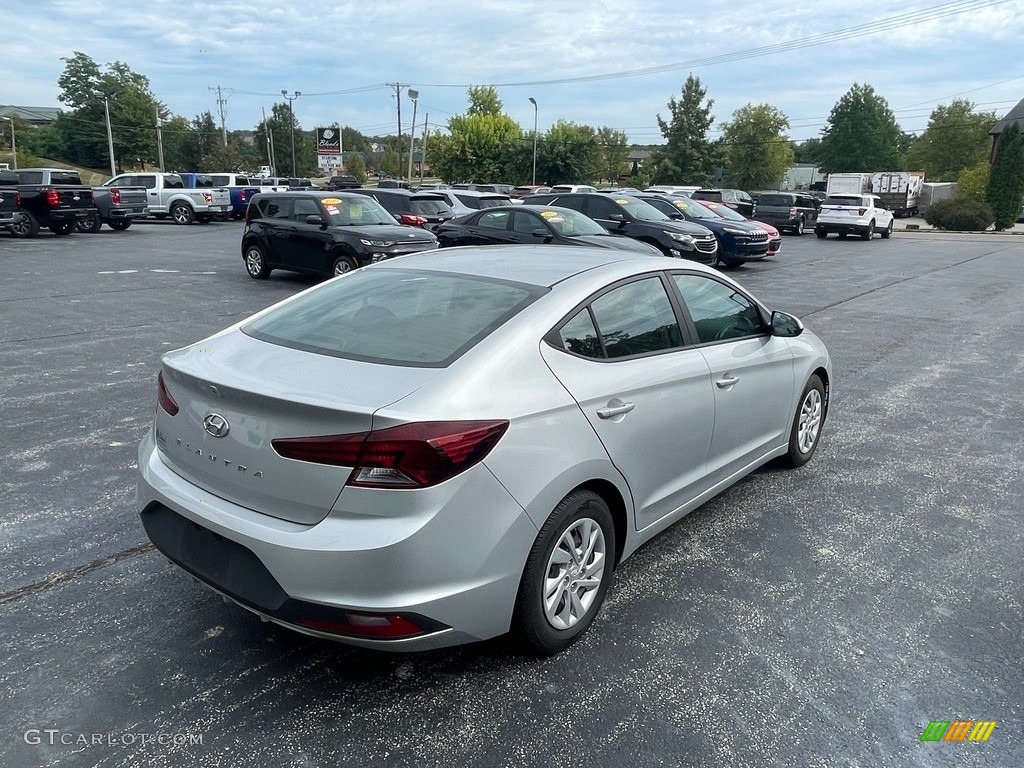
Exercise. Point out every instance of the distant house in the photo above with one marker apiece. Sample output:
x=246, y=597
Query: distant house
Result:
x=636, y=159
x=1015, y=115
x=35, y=116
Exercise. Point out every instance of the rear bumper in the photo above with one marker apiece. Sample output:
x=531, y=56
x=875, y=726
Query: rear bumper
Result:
x=435, y=555
x=127, y=212
x=849, y=226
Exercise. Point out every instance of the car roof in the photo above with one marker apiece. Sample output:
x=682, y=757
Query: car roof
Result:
x=540, y=265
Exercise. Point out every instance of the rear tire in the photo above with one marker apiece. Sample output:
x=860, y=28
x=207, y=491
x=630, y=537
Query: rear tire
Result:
x=256, y=263
x=182, y=213
x=821, y=233
x=799, y=228
x=567, y=574
x=95, y=224
x=25, y=225
x=120, y=224
x=63, y=229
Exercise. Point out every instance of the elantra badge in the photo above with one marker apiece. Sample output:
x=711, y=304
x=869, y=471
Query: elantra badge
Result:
x=216, y=425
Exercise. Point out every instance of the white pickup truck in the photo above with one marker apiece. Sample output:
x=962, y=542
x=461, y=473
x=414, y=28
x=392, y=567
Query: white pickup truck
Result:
x=168, y=196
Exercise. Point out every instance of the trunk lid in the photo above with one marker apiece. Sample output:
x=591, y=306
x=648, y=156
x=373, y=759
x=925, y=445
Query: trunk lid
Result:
x=235, y=394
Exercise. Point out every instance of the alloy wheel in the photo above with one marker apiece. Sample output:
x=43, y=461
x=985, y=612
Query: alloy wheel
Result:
x=573, y=574
x=809, y=421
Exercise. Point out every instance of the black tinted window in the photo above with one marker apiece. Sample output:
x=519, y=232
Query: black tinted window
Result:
x=780, y=200
x=30, y=177
x=305, y=207
x=172, y=181
x=429, y=206
x=602, y=208
x=580, y=336
x=274, y=208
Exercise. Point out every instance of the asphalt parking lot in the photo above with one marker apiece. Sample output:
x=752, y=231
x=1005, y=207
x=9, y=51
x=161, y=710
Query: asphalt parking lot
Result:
x=821, y=617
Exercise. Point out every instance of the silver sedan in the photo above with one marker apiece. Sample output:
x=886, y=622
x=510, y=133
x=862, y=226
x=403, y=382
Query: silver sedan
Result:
x=447, y=447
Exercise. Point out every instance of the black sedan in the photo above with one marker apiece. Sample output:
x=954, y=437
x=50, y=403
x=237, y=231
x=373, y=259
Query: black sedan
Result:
x=533, y=224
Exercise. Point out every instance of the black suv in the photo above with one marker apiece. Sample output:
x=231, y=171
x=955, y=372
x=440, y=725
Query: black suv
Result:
x=787, y=211
x=323, y=233
x=416, y=209
x=736, y=199
x=342, y=182
x=626, y=215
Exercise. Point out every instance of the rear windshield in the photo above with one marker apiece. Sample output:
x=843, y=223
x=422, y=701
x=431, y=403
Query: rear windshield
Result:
x=703, y=194
x=493, y=202
x=395, y=316
x=845, y=200
x=775, y=200
x=429, y=206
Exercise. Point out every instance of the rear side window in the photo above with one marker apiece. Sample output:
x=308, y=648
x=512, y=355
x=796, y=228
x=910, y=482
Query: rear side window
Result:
x=173, y=181
x=429, y=206
x=274, y=207
x=30, y=177
x=395, y=316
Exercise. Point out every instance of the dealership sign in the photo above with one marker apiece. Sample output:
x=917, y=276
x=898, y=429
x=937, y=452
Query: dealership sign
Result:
x=328, y=141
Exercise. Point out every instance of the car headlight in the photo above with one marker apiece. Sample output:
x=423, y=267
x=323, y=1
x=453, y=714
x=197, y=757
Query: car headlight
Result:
x=735, y=231
x=681, y=237
x=378, y=243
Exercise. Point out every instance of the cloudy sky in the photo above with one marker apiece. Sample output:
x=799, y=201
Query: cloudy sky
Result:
x=599, y=62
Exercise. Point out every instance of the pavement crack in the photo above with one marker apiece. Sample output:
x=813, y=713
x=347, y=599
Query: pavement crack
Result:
x=62, y=577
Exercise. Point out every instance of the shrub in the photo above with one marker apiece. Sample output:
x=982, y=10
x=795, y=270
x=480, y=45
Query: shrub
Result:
x=960, y=214
x=973, y=182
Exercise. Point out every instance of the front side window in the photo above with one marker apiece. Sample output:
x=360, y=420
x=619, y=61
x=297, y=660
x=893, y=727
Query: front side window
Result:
x=636, y=318
x=305, y=207
x=719, y=311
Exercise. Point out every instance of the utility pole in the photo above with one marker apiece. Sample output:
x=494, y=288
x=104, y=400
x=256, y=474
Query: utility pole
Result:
x=270, y=144
x=423, y=146
x=415, y=96
x=159, y=140
x=291, y=117
x=220, y=108
x=110, y=136
x=398, y=100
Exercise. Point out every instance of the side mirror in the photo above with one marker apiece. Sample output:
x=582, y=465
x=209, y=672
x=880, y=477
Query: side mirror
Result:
x=314, y=218
x=786, y=325
x=541, y=234
x=618, y=217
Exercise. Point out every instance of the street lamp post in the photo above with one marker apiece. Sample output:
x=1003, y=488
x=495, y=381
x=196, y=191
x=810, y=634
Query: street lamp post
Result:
x=534, y=102
x=110, y=135
x=291, y=117
x=14, y=145
x=414, y=95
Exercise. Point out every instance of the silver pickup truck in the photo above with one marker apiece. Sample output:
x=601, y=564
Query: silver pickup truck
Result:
x=167, y=195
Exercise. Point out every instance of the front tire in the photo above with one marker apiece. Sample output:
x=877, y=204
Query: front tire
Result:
x=887, y=232
x=567, y=574
x=806, y=430
x=182, y=213
x=256, y=263
x=342, y=265
x=63, y=229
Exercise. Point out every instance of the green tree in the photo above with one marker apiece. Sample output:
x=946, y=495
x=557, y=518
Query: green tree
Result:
x=480, y=144
x=389, y=162
x=278, y=126
x=955, y=140
x=973, y=182
x=687, y=156
x=568, y=153
x=861, y=134
x=356, y=167
x=612, y=153
x=133, y=109
x=1006, y=179
x=484, y=100
x=806, y=151
x=756, y=149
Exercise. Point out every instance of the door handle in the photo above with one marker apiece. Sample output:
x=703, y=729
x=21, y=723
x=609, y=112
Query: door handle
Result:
x=615, y=408
x=726, y=381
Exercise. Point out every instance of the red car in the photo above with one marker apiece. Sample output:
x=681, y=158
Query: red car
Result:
x=774, y=237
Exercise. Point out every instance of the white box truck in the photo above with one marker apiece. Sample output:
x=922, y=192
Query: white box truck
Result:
x=848, y=184
x=900, y=191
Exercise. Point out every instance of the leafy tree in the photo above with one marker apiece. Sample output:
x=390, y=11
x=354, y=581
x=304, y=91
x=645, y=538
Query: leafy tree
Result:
x=612, y=153
x=568, y=153
x=278, y=126
x=806, y=151
x=973, y=182
x=133, y=109
x=955, y=140
x=861, y=134
x=356, y=167
x=484, y=100
x=479, y=144
x=1006, y=179
x=389, y=162
x=688, y=155
x=757, y=152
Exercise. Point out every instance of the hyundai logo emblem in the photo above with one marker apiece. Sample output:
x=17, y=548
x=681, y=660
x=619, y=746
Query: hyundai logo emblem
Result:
x=216, y=425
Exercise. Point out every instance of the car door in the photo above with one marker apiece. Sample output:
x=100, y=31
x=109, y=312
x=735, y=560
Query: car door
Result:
x=751, y=371
x=307, y=243
x=275, y=227
x=489, y=228
x=529, y=229
x=646, y=395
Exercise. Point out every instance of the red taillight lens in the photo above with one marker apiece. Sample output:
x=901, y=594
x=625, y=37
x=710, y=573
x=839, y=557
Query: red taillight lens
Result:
x=384, y=626
x=411, y=220
x=163, y=397
x=407, y=456
x=115, y=196
x=17, y=199
x=53, y=198
x=862, y=211
x=242, y=196
x=792, y=213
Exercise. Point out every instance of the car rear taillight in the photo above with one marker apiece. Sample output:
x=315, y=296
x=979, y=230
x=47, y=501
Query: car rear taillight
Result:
x=414, y=455
x=115, y=196
x=242, y=196
x=792, y=213
x=53, y=198
x=412, y=220
x=17, y=199
x=862, y=211
x=384, y=626
x=163, y=397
